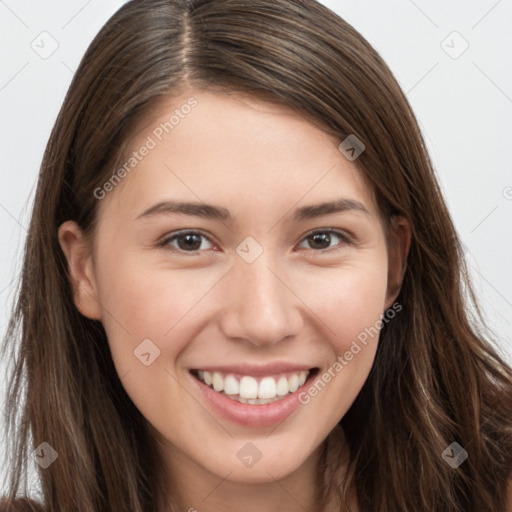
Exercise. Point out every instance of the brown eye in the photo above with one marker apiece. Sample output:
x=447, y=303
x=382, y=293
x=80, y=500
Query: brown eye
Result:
x=321, y=239
x=186, y=241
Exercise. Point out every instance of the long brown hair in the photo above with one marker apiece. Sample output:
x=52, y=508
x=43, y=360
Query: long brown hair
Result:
x=438, y=376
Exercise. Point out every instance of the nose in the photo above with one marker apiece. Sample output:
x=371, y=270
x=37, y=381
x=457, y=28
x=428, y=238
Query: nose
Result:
x=261, y=307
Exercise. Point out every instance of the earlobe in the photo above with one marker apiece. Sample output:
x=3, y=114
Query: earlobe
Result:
x=81, y=269
x=400, y=243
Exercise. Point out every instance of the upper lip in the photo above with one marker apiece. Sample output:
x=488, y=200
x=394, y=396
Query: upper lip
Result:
x=257, y=370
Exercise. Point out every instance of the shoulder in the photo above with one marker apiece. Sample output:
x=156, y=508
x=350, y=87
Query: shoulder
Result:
x=21, y=505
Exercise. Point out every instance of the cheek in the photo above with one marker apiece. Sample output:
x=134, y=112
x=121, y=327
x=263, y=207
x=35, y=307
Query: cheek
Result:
x=348, y=300
x=350, y=305
x=140, y=302
x=150, y=316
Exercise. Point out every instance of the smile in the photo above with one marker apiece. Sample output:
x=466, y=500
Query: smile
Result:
x=253, y=395
x=251, y=390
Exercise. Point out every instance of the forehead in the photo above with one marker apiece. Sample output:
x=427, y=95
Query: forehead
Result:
x=232, y=149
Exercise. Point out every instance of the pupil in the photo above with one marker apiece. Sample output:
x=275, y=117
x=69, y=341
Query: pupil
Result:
x=320, y=241
x=321, y=237
x=190, y=242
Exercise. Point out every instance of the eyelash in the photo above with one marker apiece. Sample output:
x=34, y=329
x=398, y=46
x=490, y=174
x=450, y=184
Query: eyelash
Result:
x=346, y=240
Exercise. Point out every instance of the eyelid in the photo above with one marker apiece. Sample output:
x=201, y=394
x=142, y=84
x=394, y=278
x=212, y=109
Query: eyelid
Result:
x=164, y=241
x=348, y=239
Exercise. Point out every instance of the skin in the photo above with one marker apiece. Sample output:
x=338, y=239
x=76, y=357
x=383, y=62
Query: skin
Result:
x=294, y=303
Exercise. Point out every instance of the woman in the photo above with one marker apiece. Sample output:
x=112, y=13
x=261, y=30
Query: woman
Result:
x=242, y=288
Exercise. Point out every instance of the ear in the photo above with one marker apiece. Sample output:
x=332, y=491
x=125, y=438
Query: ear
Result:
x=399, y=244
x=81, y=269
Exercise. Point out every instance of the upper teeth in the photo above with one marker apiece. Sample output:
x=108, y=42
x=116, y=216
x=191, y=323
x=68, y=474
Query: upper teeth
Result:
x=249, y=388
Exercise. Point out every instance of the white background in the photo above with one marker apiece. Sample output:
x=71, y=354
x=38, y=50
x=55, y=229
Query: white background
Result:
x=464, y=106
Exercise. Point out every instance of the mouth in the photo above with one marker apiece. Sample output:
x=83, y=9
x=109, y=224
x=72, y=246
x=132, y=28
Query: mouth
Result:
x=254, y=389
x=253, y=396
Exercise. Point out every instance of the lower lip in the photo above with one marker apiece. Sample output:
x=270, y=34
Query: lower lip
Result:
x=251, y=415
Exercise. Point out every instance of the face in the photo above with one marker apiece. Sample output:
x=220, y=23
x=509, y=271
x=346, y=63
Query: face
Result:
x=228, y=292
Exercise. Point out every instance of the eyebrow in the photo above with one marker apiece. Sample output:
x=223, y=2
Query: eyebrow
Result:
x=208, y=211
